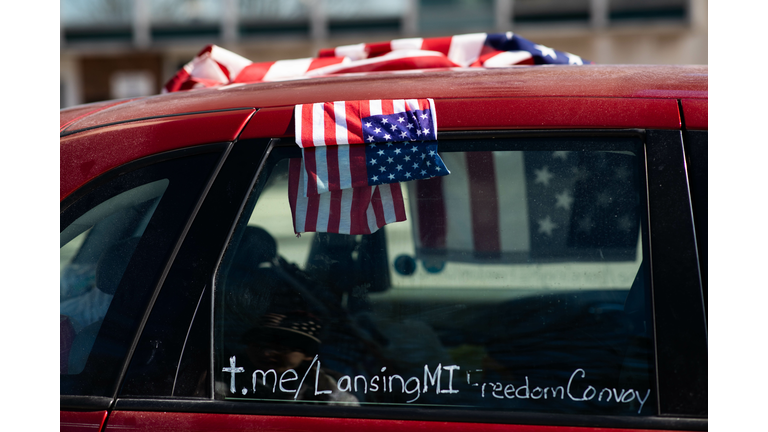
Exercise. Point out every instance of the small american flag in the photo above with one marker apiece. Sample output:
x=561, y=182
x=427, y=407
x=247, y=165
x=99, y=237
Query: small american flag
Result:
x=354, y=155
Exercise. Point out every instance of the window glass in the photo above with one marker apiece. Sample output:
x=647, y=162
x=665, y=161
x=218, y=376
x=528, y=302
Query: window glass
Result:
x=95, y=251
x=516, y=283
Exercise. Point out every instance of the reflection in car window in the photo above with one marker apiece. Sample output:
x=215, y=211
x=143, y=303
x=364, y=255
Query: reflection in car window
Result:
x=95, y=251
x=516, y=283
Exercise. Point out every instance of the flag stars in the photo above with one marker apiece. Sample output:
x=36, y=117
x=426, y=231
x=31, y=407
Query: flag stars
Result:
x=407, y=158
x=387, y=136
x=546, y=226
x=404, y=134
x=426, y=131
x=415, y=165
x=407, y=175
x=546, y=51
x=377, y=130
x=380, y=152
x=543, y=176
x=391, y=176
x=390, y=160
x=368, y=124
x=423, y=172
x=564, y=200
x=397, y=151
x=373, y=161
x=573, y=59
x=431, y=152
x=382, y=169
x=389, y=144
x=410, y=126
x=370, y=139
x=423, y=156
x=393, y=128
x=399, y=167
x=424, y=116
x=437, y=168
x=375, y=178
x=418, y=132
x=384, y=120
x=414, y=149
x=401, y=119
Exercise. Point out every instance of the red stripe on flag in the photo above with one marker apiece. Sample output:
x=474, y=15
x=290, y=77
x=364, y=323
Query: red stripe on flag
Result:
x=483, y=202
x=358, y=219
x=324, y=61
x=378, y=208
x=329, y=123
x=378, y=48
x=332, y=162
x=334, y=213
x=441, y=44
x=357, y=166
x=294, y=173
x=327, y=52
x=398, y=201
x=432, y=215
x=310, y=163
x=254, y=72
x=306, y=126
x=387, y=107
x=313, y=207
x=354, y=122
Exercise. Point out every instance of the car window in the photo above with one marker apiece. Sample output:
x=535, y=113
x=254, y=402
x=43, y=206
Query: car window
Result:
x=517, y=282
x=114, y=242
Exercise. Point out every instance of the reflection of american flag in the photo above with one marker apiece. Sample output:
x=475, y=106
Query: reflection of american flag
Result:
x=534, y=205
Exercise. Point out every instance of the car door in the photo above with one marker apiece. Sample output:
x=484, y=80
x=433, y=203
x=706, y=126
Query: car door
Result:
x=575, y=303
x=117, y=234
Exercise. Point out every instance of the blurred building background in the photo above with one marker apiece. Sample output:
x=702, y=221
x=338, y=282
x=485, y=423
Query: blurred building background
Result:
x=126, y=48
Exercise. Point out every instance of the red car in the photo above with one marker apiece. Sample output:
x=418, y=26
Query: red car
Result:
x=555, y=280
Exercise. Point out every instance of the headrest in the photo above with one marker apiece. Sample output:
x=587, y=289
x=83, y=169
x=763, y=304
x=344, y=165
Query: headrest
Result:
x=256, y=246
x=112, y=264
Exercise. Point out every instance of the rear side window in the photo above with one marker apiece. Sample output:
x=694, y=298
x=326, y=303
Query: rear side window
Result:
x=516, y=283
x=114, y=243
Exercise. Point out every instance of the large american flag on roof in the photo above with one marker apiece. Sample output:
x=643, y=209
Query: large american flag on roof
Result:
x=215, y=66
x=355, y=154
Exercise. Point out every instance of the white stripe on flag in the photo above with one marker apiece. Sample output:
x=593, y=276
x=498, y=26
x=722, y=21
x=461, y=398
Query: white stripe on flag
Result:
x=345, y=220
x=297, y=128
x=301, y=203
x=370, y=214
x=413, y=104
x=283, y=69
x=345, y=173
x=512, y=201
x=323, y=212
x=321, y=169
x=507, y=58
x=434, y=117
x=398, y=106
x=304, y=179
x=354, y=52
x=375, y=106
x=388, y=203
x=340, y=112
x=458, y=209
x=318, y=124
x=465, y=49
x=406, y=43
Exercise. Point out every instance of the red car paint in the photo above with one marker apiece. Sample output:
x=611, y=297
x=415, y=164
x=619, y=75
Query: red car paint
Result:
x=82, y=421
x=165, y=421
x=84, y=155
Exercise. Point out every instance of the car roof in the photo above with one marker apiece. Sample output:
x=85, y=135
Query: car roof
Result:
x=604, y=81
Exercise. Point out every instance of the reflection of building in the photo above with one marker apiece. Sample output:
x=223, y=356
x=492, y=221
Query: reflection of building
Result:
x=123, y=48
